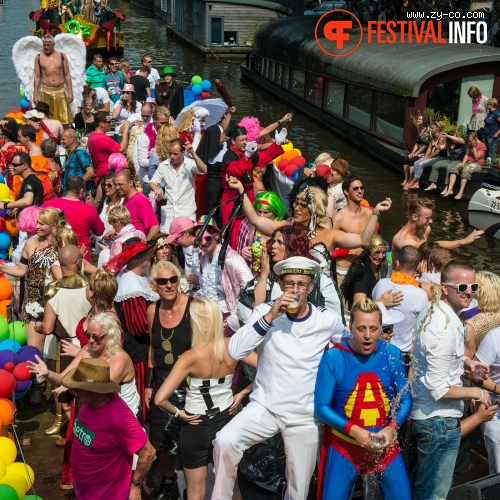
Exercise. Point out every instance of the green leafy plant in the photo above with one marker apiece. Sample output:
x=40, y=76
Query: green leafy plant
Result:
x=449, y=125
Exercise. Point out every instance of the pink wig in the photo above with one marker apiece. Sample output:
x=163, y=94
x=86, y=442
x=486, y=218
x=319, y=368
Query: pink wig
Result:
x=27, y=219
x=252, y=127
x=117, y=162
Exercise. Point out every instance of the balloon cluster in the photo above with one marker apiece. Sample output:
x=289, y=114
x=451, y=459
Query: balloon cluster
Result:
x=15, y=376
x=16, y=478
x=8, y=227
x=24, y=102
x=290, y=161
x=200, y=88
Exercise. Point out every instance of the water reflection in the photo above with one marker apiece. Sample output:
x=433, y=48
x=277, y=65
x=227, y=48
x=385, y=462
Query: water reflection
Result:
x=145, y=34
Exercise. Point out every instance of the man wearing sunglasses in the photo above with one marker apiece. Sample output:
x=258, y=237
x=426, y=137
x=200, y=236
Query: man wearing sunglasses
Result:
x=438, y=362
x=151, y=73
x=353, y=218
x=113, y=82
x=418, y=229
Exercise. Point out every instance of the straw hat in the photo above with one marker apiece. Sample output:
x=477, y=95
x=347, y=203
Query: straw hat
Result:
x=91, y=375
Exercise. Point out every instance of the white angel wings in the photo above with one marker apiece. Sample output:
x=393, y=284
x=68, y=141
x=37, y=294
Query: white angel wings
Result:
x=26, y=49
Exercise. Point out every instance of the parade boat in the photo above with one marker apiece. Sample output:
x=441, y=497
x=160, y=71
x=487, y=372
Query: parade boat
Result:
x=370, y=96
x=484, y=211
x=105, y=39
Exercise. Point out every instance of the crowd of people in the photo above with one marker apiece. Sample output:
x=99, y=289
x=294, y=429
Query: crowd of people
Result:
x=195, y=313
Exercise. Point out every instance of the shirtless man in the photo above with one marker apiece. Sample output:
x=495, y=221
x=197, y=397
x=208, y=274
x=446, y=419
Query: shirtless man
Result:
x=353, y=218
x=38, y=117
x=418, y=228
x=52, y=72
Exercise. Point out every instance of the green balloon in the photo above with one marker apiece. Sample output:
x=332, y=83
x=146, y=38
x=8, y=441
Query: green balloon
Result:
x=32, y=497
x=7, y=492
x=18, y=331
x=196, y=80
x=22, y=92
x=4, y=329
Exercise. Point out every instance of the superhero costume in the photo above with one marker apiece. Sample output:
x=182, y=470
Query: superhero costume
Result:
x=353, y=389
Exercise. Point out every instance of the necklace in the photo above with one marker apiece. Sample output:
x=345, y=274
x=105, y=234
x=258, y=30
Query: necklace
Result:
x=171, y=310
x=313, y=234
x=169, y=357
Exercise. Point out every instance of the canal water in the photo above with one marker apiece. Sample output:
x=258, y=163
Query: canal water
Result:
x=143, y=33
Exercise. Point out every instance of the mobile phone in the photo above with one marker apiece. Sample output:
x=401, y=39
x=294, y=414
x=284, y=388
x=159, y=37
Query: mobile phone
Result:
x=291, y=115
x=496, y=402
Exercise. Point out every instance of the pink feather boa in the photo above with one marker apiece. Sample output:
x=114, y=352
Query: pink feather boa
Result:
x=151, y=133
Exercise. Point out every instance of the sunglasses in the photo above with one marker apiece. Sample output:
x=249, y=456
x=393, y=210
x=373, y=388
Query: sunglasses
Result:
x=463, y=287
x=146, y=116
x=427, y=219
x=96, y=338
x=109, y=185
x=387, y=330
x=148, y=61
x=208, y=238
x=108, y=122
x=163, y=281
x=17, y=164
x=358, y=188
x=35, y=120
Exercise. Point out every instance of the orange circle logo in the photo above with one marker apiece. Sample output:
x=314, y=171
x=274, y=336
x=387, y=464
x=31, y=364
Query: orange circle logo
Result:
x=337, y=32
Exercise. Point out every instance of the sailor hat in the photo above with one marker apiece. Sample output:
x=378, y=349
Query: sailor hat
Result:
x=297, y=265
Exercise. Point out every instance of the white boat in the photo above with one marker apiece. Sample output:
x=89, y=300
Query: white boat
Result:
x=484, y=211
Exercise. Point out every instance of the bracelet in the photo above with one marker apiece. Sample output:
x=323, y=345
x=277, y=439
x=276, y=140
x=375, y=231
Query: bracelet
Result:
x=495, y=388
x=279, y=123
x=177, y=412
x=376, y=212
x=150, y=379
x=482, y=395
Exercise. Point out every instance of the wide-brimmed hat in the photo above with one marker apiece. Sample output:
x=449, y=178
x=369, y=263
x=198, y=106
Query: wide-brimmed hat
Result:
x=128, y=87
x=160, y=241
x=167, y=70
x=43, y=107
x=33, y=113
x=151, y=100
x=178, y=226
x=209, y=222
x=390, y=316
x=130, y=249
x=91, y=375
x=341, y=166
x=297, y=265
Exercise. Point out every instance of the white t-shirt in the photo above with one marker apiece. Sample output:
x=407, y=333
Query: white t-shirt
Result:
x=414, y=300
x=100, y=99
x=152, y=77
x=489, y=353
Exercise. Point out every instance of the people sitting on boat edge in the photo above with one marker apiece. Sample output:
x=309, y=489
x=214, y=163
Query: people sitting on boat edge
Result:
x=421, y=123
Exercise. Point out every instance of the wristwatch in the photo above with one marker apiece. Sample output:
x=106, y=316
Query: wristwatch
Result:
x=376, y=212
x=137, y=484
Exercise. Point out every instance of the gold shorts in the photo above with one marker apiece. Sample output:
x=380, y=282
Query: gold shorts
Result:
x=55, y=97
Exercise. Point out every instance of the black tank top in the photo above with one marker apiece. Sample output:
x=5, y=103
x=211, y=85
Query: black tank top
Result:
x=179, y=338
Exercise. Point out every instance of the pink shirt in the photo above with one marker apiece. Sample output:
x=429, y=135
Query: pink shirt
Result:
x=100, y=147
x=470, y=155
x=142, y=216
x=101, y=458
x=82, y=218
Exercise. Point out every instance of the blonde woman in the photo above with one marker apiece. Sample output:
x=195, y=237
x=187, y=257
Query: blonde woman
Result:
x=208, y=366
x=160, y=153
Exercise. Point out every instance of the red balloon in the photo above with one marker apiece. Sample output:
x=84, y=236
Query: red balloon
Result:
x=3, y=224
x=290, y=169
x=298, y=161
x=7, y=384
x=205, y=95
x=22, y=372
x=282, y=164
x=9, y=366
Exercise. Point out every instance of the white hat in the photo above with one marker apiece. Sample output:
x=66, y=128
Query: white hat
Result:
x=297, y=265
x=201, y=112
x=390, y=316
x=33, y=113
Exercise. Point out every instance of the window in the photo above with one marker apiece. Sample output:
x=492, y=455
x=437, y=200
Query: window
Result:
x=163, y=5
x=298, y=81
x=271, y=71
x=360, y=106
x=259, y=64
x=314, y=91
x=266, y=68
x=286, y=77
x=216, y=30
x=230, y=38
x=390, y=113
x=335, y=98
x=278, y=75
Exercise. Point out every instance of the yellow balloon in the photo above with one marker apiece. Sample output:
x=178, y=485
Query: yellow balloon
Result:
x=288, y=146
x=4, y=191
x=8, y=450
x=3, y=468
x=17, y=481
x=23, y=470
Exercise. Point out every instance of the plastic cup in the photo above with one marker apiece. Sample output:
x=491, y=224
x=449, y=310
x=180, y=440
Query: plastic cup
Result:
x=294, y=306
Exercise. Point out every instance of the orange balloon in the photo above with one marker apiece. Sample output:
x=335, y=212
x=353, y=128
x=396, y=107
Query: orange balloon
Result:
x=11, y=227
x=365, y=203
x=5, y=289
x=3, y=307
x=5, y=413
x=288, y=155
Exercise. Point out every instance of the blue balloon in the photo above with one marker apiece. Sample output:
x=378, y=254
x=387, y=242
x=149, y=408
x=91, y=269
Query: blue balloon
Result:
x=22, y=385
x=27, y=353
x=205, y=85
x=197, y=89
x=2, y=179
x=24, y=103
x=3, y=214
x=10, y=345
x=189, y=87
x=7, y=356
x=20, y=394
x=4, y=241
x=198, y=98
